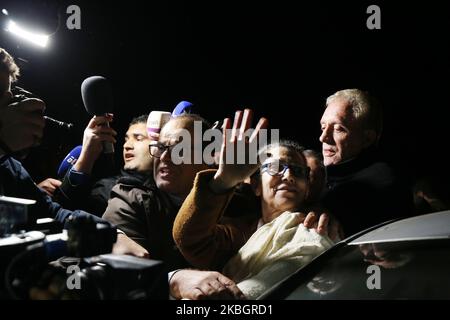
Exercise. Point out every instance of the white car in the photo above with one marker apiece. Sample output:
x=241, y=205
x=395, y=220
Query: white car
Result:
x=404, y=259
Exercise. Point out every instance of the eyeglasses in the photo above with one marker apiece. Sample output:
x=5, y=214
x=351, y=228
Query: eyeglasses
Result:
x=278, y=169
x=157, y=149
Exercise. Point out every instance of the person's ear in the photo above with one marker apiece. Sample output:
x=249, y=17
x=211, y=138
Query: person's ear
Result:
x=370, y=137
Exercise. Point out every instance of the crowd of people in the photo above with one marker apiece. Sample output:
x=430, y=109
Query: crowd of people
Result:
x=228, y=229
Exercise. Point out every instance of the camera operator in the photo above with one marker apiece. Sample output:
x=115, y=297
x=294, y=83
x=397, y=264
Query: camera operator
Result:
x=21, y=123
x=21, y=127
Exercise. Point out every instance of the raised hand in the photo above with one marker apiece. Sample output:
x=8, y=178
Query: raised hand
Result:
x=21, y=123
x=236, y=151
x=94, y=135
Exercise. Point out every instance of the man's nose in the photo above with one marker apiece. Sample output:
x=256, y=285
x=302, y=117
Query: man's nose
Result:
x=128, y=145
x=326, y=136
x=165, y=156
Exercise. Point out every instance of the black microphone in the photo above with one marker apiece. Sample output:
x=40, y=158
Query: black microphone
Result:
x=58, y=124
x=97, y=98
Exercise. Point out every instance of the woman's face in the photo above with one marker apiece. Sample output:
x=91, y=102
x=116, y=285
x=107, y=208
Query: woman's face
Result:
x=284, y=181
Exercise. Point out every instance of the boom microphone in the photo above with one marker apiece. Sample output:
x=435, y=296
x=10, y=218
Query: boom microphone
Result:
x=97, y=98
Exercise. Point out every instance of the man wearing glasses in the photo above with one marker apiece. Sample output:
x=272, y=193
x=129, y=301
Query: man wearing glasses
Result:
x=146, y=212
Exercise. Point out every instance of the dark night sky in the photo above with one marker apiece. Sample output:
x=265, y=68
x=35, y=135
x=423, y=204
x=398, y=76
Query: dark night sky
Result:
x=282, y=60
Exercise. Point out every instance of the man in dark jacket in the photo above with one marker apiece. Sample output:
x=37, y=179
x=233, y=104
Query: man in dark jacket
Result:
x=362, y=190
x=78, y=191
x=145, y=210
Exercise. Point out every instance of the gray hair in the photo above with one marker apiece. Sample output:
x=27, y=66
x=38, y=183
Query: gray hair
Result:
x=364, y=107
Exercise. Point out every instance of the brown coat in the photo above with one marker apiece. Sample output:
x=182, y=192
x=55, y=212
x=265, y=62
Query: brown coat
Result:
x=205, y=240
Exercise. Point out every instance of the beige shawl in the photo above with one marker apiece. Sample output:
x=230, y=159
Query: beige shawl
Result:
x=273, y=252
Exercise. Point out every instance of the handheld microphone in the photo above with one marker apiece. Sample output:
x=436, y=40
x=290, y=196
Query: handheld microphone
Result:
x=181, y=108
x=69, y=161
x=97, y=98
x=156, y=120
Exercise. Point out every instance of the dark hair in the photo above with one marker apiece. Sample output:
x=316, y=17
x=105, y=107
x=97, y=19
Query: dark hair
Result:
x=289, y=144
x=140, y=119
x=314, y=154
x=7, y=64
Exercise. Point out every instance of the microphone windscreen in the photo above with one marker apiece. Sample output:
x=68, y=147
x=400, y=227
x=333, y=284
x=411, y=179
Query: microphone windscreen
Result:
x=97, y=95
x=182, y=107
x=69, y=161
x=156, y=120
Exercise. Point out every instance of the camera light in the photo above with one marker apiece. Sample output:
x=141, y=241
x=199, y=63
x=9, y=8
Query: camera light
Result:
x=38, y=39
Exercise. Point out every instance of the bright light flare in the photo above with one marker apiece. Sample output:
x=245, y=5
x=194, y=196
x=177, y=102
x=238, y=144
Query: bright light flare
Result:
x=38, y=39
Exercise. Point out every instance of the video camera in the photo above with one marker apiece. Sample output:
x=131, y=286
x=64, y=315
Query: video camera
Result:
x=73, y=264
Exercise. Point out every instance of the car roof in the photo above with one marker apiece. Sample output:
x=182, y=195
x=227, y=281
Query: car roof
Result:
x=424, y=227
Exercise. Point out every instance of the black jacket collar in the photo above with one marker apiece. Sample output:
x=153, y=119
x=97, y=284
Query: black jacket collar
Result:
x=362, y=161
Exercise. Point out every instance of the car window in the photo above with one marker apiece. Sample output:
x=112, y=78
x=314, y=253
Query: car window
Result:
x=393, y=270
